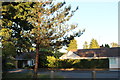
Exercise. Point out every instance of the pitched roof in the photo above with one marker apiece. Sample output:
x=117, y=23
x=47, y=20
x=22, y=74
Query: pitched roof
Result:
x=100, y=52
x=70, y=55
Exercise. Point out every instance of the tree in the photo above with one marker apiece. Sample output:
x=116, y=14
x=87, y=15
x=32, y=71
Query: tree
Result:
x=13, y=18
x=72, y=45
x=40, y=23
x=85, y=45
x=102, y=45
x=13, y=23
x=8, y=53
x=94, y=44
x=48, y=20
x=8, y=48
x=113, y=44
x=106, y=45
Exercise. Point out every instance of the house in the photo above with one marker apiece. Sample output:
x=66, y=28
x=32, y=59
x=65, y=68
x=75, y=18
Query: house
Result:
x=25, y=59
x=28, y=58
x=111, y=53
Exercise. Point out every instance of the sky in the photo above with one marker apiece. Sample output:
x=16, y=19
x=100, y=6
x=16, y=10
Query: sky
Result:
x=98, y=17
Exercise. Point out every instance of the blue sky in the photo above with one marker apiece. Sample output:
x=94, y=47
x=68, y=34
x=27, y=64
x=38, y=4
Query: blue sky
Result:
x=99, y=18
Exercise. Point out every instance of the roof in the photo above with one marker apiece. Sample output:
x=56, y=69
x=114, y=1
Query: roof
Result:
x=30, y=55
x=70, y=55
x=92, y=53
x=100, y=52
x=25, y=56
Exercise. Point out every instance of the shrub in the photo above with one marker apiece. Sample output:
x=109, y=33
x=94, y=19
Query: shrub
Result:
x=10, y=65
x=51, y=61
x=77, y=63
x=42, y=61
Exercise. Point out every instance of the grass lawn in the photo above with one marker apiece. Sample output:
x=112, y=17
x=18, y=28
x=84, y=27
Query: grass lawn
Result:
x=28, y=75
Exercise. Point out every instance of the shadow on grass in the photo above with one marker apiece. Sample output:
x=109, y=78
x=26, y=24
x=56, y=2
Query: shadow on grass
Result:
x=27, y=76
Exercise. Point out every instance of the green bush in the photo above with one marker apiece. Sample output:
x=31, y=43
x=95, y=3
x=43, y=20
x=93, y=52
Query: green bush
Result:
x=43, y=61
x=51, y=61
x=64, y=63
x=77, y=63
x=10, y=65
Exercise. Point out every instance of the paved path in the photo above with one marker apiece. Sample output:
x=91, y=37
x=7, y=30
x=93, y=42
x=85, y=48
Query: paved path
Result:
x=18, y=70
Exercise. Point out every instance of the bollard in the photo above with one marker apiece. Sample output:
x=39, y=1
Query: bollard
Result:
x=52, y=74
x=94, y=75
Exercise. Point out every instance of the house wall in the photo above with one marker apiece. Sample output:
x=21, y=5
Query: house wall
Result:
x=30, y=62
x=114, y=62
x=119, y=62
x=23, y=63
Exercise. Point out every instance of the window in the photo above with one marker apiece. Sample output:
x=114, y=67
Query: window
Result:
x=112, y=60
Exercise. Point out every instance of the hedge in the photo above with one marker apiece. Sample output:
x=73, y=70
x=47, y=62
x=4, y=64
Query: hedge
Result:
x=77, y=63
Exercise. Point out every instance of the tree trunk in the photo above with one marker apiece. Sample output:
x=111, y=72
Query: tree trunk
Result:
x=36, y=62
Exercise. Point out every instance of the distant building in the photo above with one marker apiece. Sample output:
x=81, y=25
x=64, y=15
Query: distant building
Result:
x=25, y=59
x=28, y=58
x=70, y=55
x=113, y=54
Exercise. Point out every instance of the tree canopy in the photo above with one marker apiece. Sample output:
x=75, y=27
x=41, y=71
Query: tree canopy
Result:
x=85, y=45
x=21, y=19
x=42, y=24
x=13, y=18
x=48, y=20
x=94, y=44
x=113, y=44
x=72, y=45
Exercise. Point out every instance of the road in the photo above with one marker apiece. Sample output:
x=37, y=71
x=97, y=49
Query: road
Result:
x=85, y=74
x=75, y=73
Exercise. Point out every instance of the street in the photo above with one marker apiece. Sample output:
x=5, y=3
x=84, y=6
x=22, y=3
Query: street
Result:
x=84, y=74
x=75, y=73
